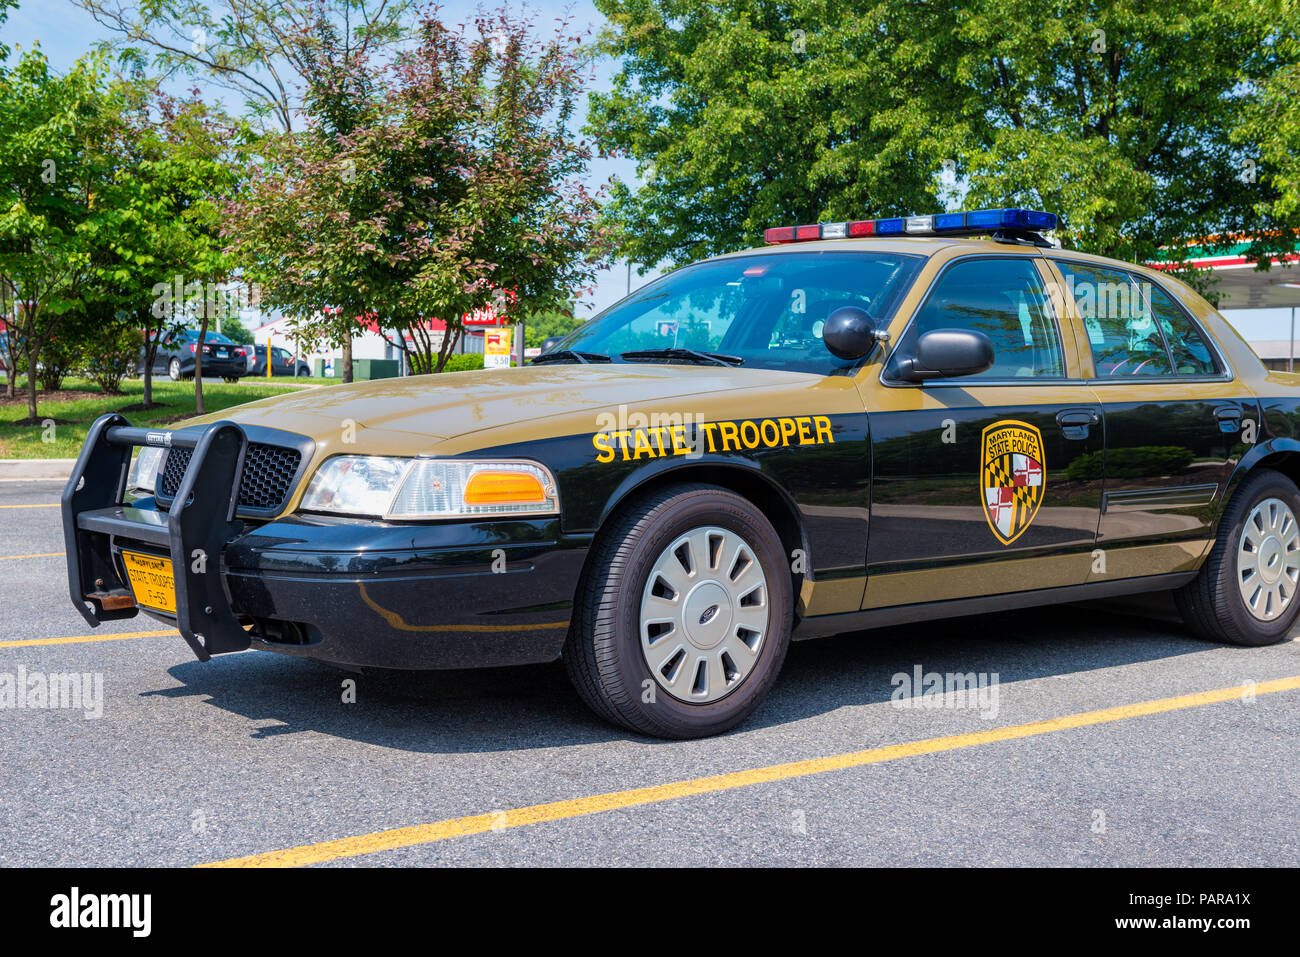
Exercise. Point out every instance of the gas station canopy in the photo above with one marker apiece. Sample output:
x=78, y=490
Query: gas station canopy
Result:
x=1241, y=286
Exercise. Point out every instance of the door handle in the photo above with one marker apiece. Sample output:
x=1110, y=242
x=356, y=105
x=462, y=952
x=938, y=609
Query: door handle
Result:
x=1229, y=417
x=1075, y=423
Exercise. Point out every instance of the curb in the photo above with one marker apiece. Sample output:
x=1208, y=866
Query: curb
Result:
x=27, y=470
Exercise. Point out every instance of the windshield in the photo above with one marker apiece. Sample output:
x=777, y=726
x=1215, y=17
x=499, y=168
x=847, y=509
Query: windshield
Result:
x=766, y=309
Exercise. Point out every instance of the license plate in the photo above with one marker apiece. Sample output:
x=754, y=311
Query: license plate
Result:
x=152, y=581
x=222, y=354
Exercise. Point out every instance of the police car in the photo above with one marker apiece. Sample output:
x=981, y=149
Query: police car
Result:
x=862, y=423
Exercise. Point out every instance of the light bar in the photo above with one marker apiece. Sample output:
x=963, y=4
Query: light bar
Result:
x=977, y=223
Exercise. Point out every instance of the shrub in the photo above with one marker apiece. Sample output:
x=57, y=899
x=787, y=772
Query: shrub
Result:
x=58, y=359
x=109, y=354
x=463, y=363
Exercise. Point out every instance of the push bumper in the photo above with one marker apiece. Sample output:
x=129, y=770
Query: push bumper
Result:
x=358, y=593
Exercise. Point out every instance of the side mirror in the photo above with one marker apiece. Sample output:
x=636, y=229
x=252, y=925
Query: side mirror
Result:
x=849, y=333
x=947, y=354
x=551, y=343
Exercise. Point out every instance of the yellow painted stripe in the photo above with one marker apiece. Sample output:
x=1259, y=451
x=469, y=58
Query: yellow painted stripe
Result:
x=5, y=558
x=86, y=639
x=42, y=505
x=577, y=807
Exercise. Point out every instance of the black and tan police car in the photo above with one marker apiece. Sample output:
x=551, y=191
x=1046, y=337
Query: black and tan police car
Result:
x=864, y=423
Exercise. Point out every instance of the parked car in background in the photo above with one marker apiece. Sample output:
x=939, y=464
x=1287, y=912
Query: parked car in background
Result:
x=176, y=354
x=283, y=362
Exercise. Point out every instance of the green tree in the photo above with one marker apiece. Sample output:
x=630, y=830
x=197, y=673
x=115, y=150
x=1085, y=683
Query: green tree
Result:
x=1118, y=115
x=747, y=114
x=54, y=158
x=161, y=253
x=233, y=328
x=1272, y=126
x=541, y=326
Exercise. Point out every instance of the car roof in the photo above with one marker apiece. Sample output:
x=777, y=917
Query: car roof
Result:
x=925, y=246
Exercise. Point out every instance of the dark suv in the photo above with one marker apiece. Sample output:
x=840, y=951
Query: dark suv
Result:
x=221, y=356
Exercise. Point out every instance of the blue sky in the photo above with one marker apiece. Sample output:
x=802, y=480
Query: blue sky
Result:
x=65, y=32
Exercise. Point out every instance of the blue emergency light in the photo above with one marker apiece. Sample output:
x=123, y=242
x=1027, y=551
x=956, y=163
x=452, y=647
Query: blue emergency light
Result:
x=980, y=222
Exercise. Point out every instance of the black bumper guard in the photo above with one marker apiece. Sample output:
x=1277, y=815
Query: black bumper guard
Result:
x=194, y=532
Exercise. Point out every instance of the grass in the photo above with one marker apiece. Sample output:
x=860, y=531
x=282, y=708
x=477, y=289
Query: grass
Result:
x=81, y=402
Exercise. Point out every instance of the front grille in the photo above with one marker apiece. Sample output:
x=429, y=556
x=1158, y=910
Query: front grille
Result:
x=268, y=474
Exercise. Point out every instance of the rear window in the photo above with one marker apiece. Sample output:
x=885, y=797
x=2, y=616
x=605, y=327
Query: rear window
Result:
x=192, y=335
x=1134, y=327
x=768, y=309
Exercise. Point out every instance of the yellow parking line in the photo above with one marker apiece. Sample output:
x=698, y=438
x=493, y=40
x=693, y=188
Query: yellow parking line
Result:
x=5, y=558
x=42, y=505
x=80, y=639
x=577, y=807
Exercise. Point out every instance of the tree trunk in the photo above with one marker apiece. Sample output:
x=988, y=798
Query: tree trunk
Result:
x=32, y=353
x=150, y=353
x=347, y=359
x=198, y=366
x=10, y=352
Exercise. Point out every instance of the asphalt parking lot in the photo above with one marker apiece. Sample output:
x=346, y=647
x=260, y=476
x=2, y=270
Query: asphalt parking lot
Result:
x=257, y=758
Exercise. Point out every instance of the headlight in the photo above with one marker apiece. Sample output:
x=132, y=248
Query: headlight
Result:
x=449, y=488
x=355, y=485
x=401, y=488
x=145, y=468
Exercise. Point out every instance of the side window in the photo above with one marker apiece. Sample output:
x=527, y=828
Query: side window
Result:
x=1191, y=353
x=1005, y=300
x=1123, y=334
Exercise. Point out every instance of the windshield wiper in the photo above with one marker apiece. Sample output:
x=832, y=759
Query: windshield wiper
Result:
x=569, y=355
x=689, y=355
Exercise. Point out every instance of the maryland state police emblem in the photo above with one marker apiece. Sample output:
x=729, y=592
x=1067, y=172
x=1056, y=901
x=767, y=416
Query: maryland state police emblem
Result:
x=1012, y=477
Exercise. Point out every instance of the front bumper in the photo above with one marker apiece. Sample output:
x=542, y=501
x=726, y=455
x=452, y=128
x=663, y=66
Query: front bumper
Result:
x=358, y=593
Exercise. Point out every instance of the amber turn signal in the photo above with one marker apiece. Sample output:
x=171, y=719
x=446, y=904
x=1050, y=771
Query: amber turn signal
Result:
x=504, y=488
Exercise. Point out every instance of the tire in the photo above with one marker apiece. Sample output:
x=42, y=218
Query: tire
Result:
x=1214, y=605
x=606, y=653
x=174, y=370
x=232, y=379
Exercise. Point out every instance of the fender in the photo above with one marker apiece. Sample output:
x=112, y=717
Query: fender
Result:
x=1252, y=459
x=678, y=470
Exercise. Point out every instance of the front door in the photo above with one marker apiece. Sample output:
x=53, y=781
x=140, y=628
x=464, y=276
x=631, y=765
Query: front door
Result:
x=982, y=484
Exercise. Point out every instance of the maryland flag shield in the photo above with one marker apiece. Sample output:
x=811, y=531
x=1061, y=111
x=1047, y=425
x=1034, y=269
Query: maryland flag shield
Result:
x=1012, y=477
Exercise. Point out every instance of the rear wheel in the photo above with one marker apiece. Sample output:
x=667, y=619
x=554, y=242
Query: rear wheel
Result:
x=683, y=619
x=1246, y=592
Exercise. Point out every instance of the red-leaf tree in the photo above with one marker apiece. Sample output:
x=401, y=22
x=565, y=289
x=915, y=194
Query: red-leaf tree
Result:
x=458, y=186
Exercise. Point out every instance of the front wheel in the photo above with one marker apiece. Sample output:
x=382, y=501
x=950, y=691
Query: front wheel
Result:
x=174, y=370
x=683, y=619
x=1245, y=593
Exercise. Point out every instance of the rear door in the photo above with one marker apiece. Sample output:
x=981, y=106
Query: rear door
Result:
x=1177, y=420
x=975, y=489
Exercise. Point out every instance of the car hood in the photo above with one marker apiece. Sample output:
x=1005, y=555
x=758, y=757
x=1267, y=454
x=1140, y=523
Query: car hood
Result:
x=447, y=405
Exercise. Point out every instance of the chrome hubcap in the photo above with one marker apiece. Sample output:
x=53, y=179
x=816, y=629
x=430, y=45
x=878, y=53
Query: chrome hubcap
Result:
x=1268, y=559
x=704, y=615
